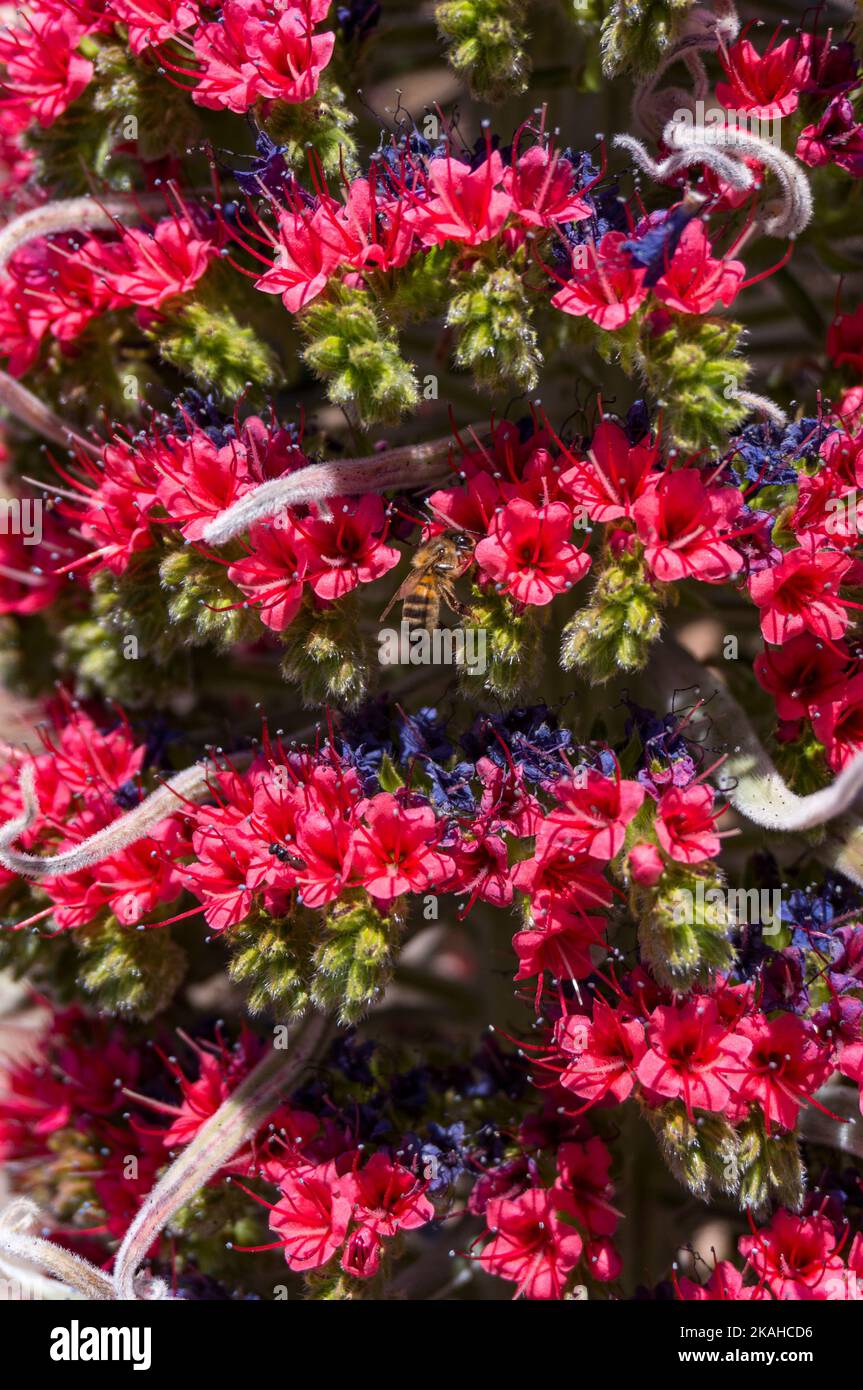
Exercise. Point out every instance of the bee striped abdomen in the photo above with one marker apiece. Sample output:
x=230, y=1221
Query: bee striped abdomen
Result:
x=422, y=606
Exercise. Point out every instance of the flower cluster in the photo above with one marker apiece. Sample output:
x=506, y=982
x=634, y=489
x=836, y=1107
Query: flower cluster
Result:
x=253, y=52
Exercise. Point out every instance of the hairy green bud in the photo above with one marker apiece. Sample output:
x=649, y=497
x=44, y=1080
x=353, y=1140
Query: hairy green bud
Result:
x=614, y=632
x=353, y=964
x=496, y=340
x=326, y=653
x=486, y=41
x=132, y=971
x=351, y=349
x=700, y=1150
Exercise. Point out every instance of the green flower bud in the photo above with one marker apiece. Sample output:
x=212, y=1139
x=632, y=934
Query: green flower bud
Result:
x=327, y=654
x=129, y=970
x=695, y=370
x=208, y=342
x=486, y=41
x=513, y=644
x=270, y=958
x=496, y=340
x=614, y=632
x=353, y=964
x=771, y=1167
x=683, y=927
x=358, y=356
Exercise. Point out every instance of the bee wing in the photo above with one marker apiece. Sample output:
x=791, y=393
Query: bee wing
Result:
x=408, y=586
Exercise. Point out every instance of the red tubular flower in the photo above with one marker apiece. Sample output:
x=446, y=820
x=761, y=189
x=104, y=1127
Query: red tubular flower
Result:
x=151, y=22
x=801, y=594
x=595, y=811
x=845, y=340
x=288, y=55
x=796, y=1256
x=346, y=550
x=602, y=1053
x=609, y=289
x=764, y=85
x=531, y=1245
x=585, y=1187
x=528, y=552
x=695, y=280
x=691, y=1056
x=837, y=138
x=559, y=944
x=42, y=69
x=386, y=1197
x=272, y=575
x=395, y=848
x=803, y=675
x=837, y=720
x=311, y=1217
x=465, y=205
x=686, y=824
x=541, y=184
x=784, y=1068
x=227, y=78
x=147, y=270
x=304, y=261
x=614, y=475
x=683, y=523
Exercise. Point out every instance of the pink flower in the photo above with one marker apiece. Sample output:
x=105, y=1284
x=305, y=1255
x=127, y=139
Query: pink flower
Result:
x=601, y=1053
x=802, y=675
x=147, y=270
x=43, y=70
x=288, y=56
x=227, y=78
x=541, y=185
x=682, y=522
x=692, y=1057
x=784, y=1068
x=386, y=1197
x=686, y=824
x=272, y=575
x=795, y=1256
x=466, y=205
x=528, y=552
x=646, y=865
x=608, y=289
x=304, y=261
x=695, y=280
x=801, y=594
x=614, y=475
x=395, y=848
x=348, y=549
x=764, y=85
x=596, y=811
x=531, y=1245
x=151, y=22
x=311, y=1216
x=559, y=943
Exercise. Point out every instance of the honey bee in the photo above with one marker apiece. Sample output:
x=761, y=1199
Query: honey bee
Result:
x=435, y=567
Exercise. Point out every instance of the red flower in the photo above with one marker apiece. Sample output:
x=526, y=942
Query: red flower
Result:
x=596, y=811
x=394, y=848
x=312, y=1215
x=272, y=575
x=784, y=1068
x=585, y=1186
x=531, y=1245
x=682, y=524
x=528, y=552
x=609, y=289
x=602, y=1053
x=695, y=280
x=838, y=721
x=613, y=476
x=348, y=549
x=691, y=1056
x=801, y=594
x=151, y=22
x=466, y=205
x=686, y=824
x=288, y=55
x=560, y=944
x=795, y=1257
x=304, y=262
x=147, y=270
x=837, y=138
x=227, y=78
x=803, y=675
x=541, y=185
x=763, y=85
x=43, y=71
x=845, y=340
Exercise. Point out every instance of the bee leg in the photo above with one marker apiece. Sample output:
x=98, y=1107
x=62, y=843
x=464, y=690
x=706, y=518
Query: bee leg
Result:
x=455, y=605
